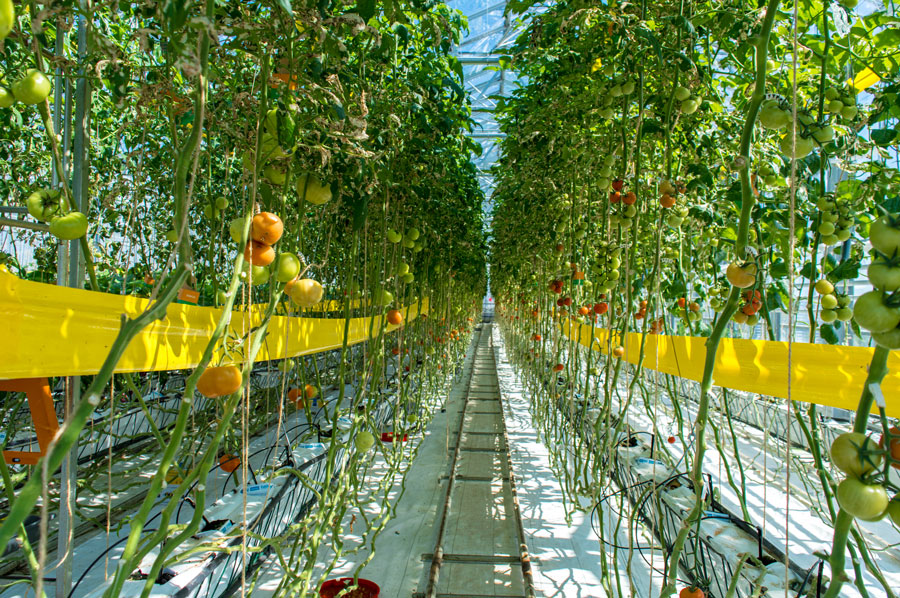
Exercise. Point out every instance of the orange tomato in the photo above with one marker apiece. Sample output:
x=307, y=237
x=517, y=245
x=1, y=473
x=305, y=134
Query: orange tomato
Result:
x=629, y=198
x=667, y=201
x=219, y=381
x=394, y=317
x=558, y=367
x=229, y=463
x=266, y=228
x=259, y=254
x=619, y=352
x=691, y=592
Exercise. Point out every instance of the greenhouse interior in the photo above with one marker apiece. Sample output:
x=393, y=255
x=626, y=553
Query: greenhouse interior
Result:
x=460, y=299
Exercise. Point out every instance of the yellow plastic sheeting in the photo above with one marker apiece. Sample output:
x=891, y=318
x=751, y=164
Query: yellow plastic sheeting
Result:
x=821, y=374
x=58, y=331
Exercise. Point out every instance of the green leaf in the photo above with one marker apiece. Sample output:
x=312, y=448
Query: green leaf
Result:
x=366, y=9
x=286, y=5
x=884, y=137
x=828, y=333
x=847, y=270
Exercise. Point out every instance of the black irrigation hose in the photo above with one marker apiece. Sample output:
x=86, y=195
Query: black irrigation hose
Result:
x=100, y=556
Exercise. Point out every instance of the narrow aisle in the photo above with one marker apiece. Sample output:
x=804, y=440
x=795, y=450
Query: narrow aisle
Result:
x=480, y=549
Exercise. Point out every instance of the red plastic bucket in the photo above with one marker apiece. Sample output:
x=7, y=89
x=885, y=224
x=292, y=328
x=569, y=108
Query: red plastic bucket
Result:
x=391, y=437
x=366, y=589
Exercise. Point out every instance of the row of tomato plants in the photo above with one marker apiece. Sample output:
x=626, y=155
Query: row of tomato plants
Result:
x=695, y=150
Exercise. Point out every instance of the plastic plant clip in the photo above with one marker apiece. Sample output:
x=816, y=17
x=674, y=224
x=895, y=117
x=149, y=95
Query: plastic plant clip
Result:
x=40, y=402
x=864, y=79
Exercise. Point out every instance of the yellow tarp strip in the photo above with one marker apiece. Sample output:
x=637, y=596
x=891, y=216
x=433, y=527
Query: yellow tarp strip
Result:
x=821, y=374
x=58, y=331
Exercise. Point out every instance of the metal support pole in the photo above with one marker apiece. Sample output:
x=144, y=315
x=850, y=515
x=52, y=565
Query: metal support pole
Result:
x=80, y=178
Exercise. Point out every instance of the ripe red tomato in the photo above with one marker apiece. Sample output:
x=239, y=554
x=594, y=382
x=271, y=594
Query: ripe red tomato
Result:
x=667, y=201
x=629, y=198
x=615, y=197
x=682, y=302
x=895, y=446
x=617, y=184
x=601, y=308
x=558, y=367
x=219, y=381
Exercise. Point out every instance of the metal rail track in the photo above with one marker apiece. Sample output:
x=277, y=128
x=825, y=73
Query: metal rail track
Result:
x=480, y=538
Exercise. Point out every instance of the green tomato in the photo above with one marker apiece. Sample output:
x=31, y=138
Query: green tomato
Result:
x=752, y=320
x=259, y=275
x=689, y=106
x=393, y=236
x=275, y=175
x=828, y=315
x=402, y=268
x=413, y=234
x=826, y=228
x=172, y=235
x=384, y=297
x=628, y=87
x=221, y=297
x=893, y=510
x=34, y=88
x=829, y=301
x=408, y=243
x=236, y=229
x=407, y=278
x=844, y=314
x=855, y=454
x=824, y=134
x=884, y=237
x=884, y=276
x=211, y=213
x=681, y=93
x=843, y=235
x=312, y=190
x=44, y=204
x=868, y=502
x=73, y=225
x=772, y=116
x=287, y=268
x=412, y=418
x=832, y=94
x=889, y=339
x=849, y=112
x=824, y=286
x=871, y=313
x=804, y=147
x=6, y=97
x=7, y=18
x=364, y=441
